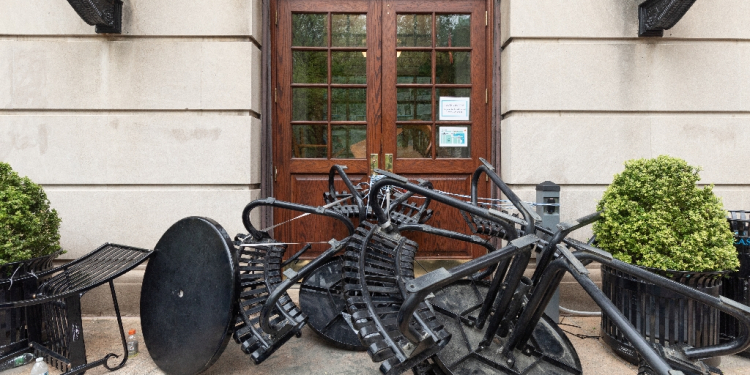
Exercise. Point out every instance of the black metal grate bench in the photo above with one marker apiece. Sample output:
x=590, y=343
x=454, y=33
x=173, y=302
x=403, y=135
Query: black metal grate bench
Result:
x=54, y=305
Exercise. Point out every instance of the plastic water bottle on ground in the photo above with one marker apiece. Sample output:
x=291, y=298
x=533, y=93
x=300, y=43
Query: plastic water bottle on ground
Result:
x=18, y=361
x=132, y=344
x=40, y=367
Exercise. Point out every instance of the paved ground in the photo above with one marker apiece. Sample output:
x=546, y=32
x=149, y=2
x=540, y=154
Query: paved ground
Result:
x=311, y=355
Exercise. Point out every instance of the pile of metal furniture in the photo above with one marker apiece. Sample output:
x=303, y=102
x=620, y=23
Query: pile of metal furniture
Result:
x=202, y=288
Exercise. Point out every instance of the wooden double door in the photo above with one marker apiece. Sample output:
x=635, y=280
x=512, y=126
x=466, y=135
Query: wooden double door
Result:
x=398, y=85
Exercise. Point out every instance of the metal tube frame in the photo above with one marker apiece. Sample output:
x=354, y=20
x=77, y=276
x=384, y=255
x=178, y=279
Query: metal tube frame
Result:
x=273, y=202
x=518, y=264
x=336, y=246
x=546, y=282
x=533, y=312
x=456, y=236
x=292, y=278
x=339, y=169
x=409, y=194
x=548, y=275
x=526, y=212
x=421, y=287
x=573, y=263
x=398, y=181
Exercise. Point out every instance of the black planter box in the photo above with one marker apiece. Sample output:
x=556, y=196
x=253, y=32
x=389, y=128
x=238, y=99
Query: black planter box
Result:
x=660, y=315
x=13, y=322
x=737, y=284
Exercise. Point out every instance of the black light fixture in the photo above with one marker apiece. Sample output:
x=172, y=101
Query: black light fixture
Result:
x=106, y=15
x=655, y=16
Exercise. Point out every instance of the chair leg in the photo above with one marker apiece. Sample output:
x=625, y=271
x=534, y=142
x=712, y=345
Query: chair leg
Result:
x=76, y=344
x=34, y=322
x=122, y=331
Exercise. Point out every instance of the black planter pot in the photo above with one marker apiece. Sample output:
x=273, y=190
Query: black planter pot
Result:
x=737, y=285
x=13, y=335
x=660, y=315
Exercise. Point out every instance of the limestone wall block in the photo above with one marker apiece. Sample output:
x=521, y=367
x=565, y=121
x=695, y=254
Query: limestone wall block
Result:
x=140, y=18
x=133, y=149
x=715, y=19
x=128, y=75
x=139, y=216
x=590, y=149
x=625, y=76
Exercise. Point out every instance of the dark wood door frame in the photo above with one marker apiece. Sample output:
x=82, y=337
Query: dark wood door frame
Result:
x=269, y=82
x=266, y=117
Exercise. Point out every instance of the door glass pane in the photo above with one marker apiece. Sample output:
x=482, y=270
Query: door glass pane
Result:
x=453, y=67
x=348, y=30
x=309, y=30
x=454, y=141
x=310, y=141
x=453, y=30
x=414, y=104
x=309, y=104
x=414, y=30
x=348, y=141
x=414, y=141
x=309, y=66
x=348, y=67
x=457, y=92
x=349, y=104
x=414, y=67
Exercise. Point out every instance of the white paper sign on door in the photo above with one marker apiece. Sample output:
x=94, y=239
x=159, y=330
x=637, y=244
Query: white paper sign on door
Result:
x=454, y=108
x=454, y=136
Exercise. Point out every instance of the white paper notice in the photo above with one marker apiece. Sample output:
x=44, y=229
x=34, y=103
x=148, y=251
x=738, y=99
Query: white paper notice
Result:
x=454, y=136
x=454, y=109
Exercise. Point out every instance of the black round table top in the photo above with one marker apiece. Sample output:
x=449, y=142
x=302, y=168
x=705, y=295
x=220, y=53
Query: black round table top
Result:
x=551, y=350
x=320, y=297
x=188, y=296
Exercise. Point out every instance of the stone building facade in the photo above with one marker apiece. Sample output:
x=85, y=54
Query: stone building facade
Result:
x=129, y=133
x=580, y=94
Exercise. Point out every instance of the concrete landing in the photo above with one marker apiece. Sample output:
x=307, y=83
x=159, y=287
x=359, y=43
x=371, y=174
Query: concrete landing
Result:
x=311, y=355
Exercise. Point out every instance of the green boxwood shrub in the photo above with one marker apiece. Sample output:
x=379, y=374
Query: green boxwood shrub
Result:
x=28, y=227
x=655, y=216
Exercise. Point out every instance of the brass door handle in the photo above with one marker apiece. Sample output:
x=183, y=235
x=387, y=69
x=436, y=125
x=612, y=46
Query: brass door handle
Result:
x=374, y=159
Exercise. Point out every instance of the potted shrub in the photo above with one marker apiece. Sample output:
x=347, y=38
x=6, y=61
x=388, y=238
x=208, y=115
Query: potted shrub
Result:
x=654, y=216
x=29, y=241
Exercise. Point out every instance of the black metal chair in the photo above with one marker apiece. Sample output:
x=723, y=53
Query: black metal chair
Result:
x=52, y=300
